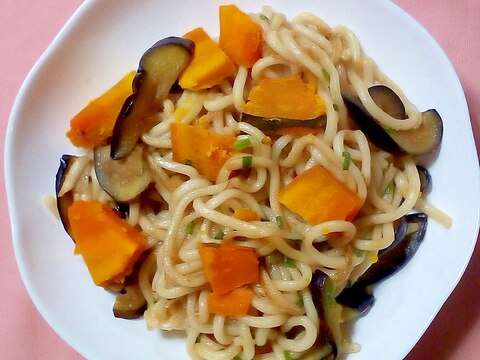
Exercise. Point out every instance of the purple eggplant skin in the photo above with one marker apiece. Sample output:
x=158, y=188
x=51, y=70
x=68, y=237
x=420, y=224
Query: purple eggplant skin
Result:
x=370, y=127
x=64, y=201
x=357, y=297
x=323, y=301
x=425, y=179
x=158, y=70
x=424, y=139
x=398, y=254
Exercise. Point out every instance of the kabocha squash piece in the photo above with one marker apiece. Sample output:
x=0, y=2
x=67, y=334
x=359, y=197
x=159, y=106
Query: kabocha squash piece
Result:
x=240, y=36
x=279, y=126
x=159, y=68
x=205, y=150
x=276, y=105
x=228, y=266
x=93, y=125
x=109, y=245
x=234, y=303
x=122, y=179
x=246, y=214
x=317, y=196
x=209, y=65
x=286, y=97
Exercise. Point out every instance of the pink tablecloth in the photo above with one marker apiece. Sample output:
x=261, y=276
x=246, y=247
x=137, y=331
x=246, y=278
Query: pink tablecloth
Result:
x=26, y=29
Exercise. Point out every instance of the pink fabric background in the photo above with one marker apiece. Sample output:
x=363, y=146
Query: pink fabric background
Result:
x=26, y=29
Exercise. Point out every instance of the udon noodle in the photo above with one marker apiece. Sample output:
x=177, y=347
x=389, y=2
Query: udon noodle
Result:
x=191, y=209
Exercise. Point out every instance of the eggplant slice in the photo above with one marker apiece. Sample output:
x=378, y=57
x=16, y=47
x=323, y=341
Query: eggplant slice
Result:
x=158, y=70
x=122, y=179
x=420, y=141
x=64, y=201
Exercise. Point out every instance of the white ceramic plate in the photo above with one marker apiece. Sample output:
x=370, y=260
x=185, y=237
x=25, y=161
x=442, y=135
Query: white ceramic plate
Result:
x=100, y=43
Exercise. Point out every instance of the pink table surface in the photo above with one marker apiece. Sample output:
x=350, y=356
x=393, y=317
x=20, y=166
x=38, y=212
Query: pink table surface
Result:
x=26, y=29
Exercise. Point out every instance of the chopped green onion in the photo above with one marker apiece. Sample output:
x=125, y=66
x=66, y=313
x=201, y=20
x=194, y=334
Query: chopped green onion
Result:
x=335, y=107
x=326, y=74
x=237, y=358
x=247, y=162
x=242, y=143
x=390, y=188
x=264, y=18
x=346, y=160
x=198, y=339
x=290, y=262
x=279, y=221
x=349, y=283
x=190, y=228
x=288, y=355
x=188, y=162
x=219, y=235
x=329, y=293
x=300, y=300
x=359, y=253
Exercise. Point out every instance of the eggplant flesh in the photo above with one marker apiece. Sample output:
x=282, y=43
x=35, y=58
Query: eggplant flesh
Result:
x=122, y=179
x=129, y=303
x=64, y=201
x=422, y=140
x=158, y=70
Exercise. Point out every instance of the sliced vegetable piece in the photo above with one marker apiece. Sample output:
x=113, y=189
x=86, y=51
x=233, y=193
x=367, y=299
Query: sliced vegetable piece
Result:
x=109, y=245
x=240, y=36
x=228, y=266
x=357, y=297
x=329, y=311
x=130, y=303
x=284, y=98
x=419, y=141
x=425, y=179
x=64, y=201
x=93, y=125
x=233, y=303
x=159, y=68
x=205, y=150
x=209, y=66
x=122, y=179
x=397, y=255
x=246, y=214
x=282, y=126
x=424, y=139
x=317, y=196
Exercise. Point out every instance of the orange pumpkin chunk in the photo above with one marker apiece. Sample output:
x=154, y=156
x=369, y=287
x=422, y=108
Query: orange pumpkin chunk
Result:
x=209, y=65
x=246, y=214
x=93, y=125
x=108, y=244
x=317, y=196
x=234, y=303
x=240, y=36
x=228, y=266
x=205, y=150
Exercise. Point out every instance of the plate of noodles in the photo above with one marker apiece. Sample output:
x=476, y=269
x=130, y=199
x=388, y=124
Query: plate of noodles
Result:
x=254, y=180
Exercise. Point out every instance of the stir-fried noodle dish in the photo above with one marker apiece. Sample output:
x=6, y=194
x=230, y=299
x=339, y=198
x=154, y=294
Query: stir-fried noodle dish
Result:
x=250, y=187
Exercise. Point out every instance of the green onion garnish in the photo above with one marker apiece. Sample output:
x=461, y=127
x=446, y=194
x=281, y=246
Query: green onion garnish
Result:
x=326, y=74
x=335, y=107
x=359, y=253
x=300, y=300
x=288, y=355
x=290, y=262
x=329, y=293
x=247, y=162
x=242, y=143
x=237, y=358
x=279, y=221
x=346, y=160
x=264, y=18
x=219, y=235
x=349, y=283
x=390, y=188
x=198, y=339
x=188, y=162
x=190, y=228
